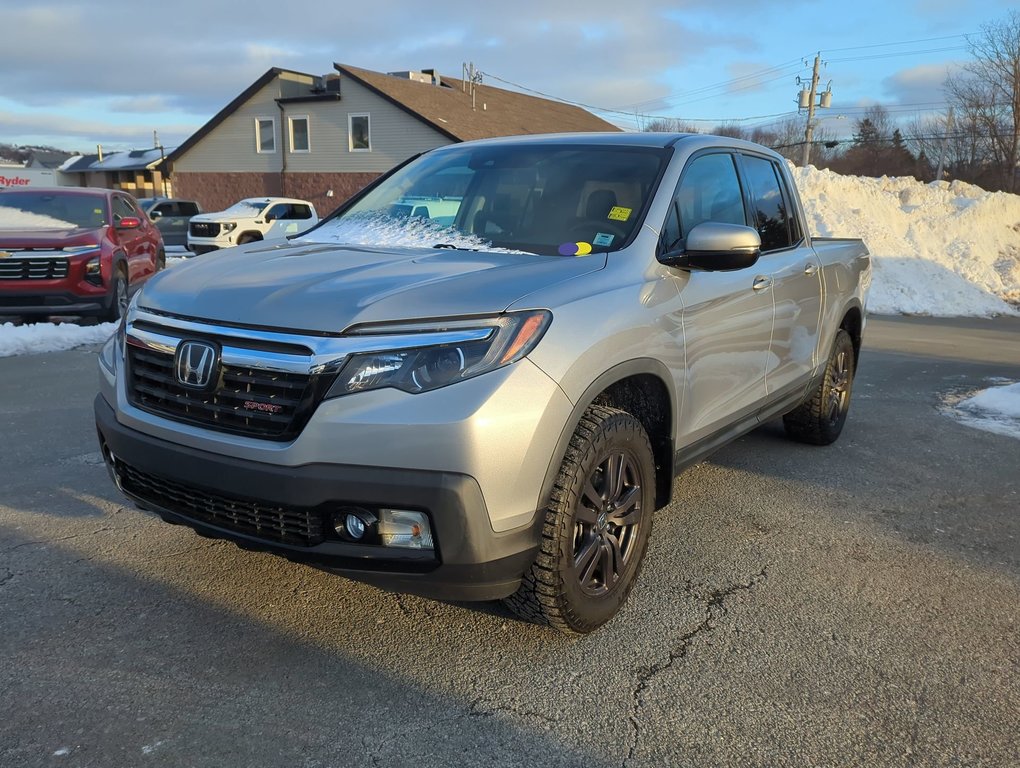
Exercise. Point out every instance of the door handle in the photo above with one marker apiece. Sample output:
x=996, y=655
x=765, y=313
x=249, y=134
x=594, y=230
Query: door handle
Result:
x=810, y=268
x=761, y=282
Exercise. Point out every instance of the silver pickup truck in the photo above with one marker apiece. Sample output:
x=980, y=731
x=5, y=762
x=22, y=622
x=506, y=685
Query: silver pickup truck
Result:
x=478, y=378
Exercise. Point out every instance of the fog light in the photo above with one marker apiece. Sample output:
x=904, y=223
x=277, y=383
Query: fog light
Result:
x=404, y=528
x=352, y=523
x=355, y=527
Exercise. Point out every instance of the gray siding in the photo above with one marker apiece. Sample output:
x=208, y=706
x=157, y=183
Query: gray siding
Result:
x=395, y=135
x=230, y=147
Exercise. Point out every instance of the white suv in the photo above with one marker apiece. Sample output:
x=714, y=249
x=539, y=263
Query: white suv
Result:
x=255, y=218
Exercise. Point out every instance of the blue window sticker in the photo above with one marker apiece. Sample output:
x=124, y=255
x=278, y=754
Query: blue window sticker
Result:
x=602, y=238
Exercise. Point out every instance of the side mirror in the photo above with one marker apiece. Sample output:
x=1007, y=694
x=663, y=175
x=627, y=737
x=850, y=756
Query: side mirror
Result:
x=714, y=247
x=156, y=215
x=129, y=222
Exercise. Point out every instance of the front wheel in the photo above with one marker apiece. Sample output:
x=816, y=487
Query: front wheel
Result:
x=820, y=418
x=596, y=529
x=118, y=298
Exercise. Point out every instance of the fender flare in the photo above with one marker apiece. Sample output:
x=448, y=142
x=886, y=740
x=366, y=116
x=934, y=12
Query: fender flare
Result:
x=638, y=366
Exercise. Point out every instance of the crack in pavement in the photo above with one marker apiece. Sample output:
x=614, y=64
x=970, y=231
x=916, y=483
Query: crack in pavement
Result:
x=476, y=710
x=63, y=538
x=8, y=577
x=715, y=608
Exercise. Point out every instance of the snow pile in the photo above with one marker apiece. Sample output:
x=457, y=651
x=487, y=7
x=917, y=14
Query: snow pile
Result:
x=50, y=337
x=15, y=218
x=938, y=249
x=994, y=410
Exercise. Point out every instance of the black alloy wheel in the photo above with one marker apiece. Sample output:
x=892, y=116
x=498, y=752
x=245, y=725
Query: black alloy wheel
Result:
x=819, y=420
x=607, y=523
x=596, y=526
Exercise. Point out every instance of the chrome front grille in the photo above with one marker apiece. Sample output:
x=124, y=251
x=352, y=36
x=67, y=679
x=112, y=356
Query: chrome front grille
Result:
x=260, y=388
x=204, y=228
x=33, y=269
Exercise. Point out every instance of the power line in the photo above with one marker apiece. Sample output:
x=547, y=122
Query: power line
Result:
x=626, y=113
x=896, y=54
x=898, y=42
x=792, y=64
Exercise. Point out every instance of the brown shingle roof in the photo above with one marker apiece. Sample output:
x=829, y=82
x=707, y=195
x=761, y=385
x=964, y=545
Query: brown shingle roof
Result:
x=448, y=109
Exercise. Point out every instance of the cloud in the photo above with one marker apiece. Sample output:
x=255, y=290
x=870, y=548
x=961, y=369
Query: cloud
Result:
x=919, y=85
x=193, y=59
x=85, y=131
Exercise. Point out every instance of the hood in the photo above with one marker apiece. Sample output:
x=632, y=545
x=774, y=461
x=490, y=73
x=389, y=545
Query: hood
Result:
x=224, y=216
x=326, y=288
x=50, y=239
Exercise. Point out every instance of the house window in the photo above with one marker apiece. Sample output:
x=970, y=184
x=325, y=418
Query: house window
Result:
x=265, y=135
x=358, y=132
x=299, y=141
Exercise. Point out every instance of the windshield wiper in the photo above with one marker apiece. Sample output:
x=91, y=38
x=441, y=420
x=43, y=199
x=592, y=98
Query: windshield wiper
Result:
x=451, y=247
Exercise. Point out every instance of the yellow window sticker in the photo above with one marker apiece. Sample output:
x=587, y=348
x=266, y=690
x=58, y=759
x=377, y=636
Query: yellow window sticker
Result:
x=619, y=213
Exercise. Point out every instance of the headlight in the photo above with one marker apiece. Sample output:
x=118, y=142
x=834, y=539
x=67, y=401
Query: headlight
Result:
x=229, y=226
x=108, y=354
x=93, y=269
x=478, y=346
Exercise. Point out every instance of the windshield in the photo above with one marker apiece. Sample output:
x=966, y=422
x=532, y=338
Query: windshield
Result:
x=247, y=207
x=46, y=210
x=544, y=199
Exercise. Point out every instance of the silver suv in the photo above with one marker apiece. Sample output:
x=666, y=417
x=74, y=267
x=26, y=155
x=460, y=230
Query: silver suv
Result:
x=478, y=378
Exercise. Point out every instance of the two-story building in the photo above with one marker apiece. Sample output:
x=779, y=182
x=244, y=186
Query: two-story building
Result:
x=322, y=138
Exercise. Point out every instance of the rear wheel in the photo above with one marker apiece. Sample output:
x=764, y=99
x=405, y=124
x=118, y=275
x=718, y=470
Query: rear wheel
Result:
x=596, y=529
x=819, y=419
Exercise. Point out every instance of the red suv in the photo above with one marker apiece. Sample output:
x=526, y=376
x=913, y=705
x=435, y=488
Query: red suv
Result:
x=73, y=251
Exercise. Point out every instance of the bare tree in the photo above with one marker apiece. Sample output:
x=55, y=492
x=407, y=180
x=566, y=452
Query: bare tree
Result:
x=671, y=125
x=987, y=93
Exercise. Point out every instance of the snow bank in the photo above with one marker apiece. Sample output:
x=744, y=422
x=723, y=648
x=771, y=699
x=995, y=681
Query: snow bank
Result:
x=994, y=410
x=939, y=249
x=50, y=337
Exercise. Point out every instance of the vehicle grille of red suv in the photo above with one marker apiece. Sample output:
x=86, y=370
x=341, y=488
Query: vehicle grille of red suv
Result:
x=33, y=269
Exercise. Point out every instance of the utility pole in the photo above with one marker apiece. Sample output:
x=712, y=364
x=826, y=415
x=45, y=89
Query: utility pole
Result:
x=809, y=129
x=471, y=78
x=945, y=140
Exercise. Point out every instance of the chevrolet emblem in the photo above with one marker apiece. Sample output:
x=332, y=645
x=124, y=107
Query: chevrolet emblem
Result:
x=5, y=254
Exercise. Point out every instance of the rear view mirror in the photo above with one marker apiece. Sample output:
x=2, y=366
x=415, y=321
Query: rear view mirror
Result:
x=714, y=246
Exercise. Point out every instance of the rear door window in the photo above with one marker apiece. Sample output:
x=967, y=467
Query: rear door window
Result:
x=771, y=210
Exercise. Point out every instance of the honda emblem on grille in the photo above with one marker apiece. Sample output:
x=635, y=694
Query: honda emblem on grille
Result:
x=195, y=364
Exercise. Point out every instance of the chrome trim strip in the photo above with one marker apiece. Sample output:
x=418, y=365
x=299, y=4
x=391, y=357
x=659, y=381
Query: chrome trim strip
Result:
x=328, y=352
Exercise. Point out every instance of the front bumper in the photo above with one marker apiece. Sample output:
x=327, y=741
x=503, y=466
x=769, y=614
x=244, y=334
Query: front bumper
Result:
x=471, y=561
x=43, y=303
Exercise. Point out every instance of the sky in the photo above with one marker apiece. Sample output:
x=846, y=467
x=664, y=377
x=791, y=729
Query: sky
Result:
x=78, y=74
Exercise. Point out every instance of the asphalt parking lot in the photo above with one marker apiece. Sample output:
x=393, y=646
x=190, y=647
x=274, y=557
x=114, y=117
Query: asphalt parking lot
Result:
x=857, y=605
